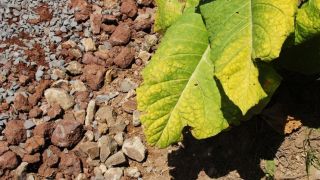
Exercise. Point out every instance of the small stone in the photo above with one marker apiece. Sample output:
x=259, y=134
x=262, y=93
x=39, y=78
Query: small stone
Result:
x=46, y=171
x=107, y=147
x=67, y=133
x=121, y=35
x=74, y=68
x=51, y=156
x=80, y=116
x=144, y=56
x=58, y=74
x=34, y=144
x=129, y=106
x=125, y=57
x=54, y=111
x=70, y=164
x=132, y=172
x=31, y=159
x=35, y=97
x=20, y=172
x=18, y=150
x=126, y=85
x=95, y=22
x=78, y=86
x=3, y=147
x=105, y=98
x=102, y=128
x=134, y=149
x=15, y=132
x=110, y=4
x=94, y=75
x=89, y=58
x=8, y=160
x=21, y=103
x=90, y=112
x=119, y=137
x=129, y=7
x=28, y=124
x=103, y=168
x=91, y=149
x=116, y=159
x=88, y=44
x=59, y=96
x=117, y=127
x=113, y=174
x=136, y=118
x=44, y=130
x=105, y=114
x=35, y=112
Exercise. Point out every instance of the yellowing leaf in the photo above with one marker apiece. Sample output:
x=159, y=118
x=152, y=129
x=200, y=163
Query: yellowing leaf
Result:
x=179, y=89
x=242, y=32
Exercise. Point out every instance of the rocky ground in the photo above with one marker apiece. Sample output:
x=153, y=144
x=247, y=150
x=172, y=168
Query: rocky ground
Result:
x=68, y=74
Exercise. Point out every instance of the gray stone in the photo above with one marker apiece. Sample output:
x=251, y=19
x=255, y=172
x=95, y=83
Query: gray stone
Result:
x=59, y=96
x=106, y=97
x=91, y=149
x=107, y=146
x=132, y=172
x=28, y=124
x=119, y=137
x=127, y=85
x=134, y=149
x=136, y=118
x=116, y=159
x=90, y=112
x=105, y=114
x=113, y=174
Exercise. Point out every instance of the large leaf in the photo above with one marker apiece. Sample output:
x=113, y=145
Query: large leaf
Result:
x=169, y=10
x=241, y=32
x=178, y=88
x=308, y=21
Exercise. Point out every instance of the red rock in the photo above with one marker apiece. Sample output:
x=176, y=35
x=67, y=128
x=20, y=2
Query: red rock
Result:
x=23, y=80
x=51, y=156
x=82, y=15
x=3, y=147
x=35, y=112
x=88, y=58
x=67, y=133
x=94, y=75
x=8, y=160
x=102, y=54
x=80, y=4
x=129, y=106
x=110, y=19
x=44, y=130
x=31, y=159
x=34, y=144
x=18, y=150
x=34, y=98
x=46, y=171
x=121, y=35
x=21, y=103
x=15, y=132
x=95, y=23
x=54, y=111
x=108, y=28
x=70, y=164
x=125, y=58
x=142, y=22
x=129, y=7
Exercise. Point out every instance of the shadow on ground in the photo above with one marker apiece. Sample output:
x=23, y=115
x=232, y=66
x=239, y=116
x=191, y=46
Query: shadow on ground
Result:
x=243, y=147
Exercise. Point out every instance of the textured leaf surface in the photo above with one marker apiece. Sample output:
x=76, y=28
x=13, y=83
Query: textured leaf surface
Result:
x=178, y=88
x=169, y=10
x=242, y=31
x=308, y=21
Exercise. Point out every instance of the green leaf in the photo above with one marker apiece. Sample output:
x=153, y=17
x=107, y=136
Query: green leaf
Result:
x=178, y=88
x=242, y=32
x=169, y=10
x=308, y=21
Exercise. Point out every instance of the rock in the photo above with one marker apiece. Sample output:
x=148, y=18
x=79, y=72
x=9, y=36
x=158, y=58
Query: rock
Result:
x=136, y=118
x=74, y=68
x=90, y=112
x=121, y=35
x=113, y=174
x=44, y=130
x=51, y=156
x=28, y=124
x=58, y=74
x=102, y=128
x=105, y=98
x=15, y=132
x=129, y=106
x=129, y=8
x=88, y=44
x=82, y=15
x=70, y=164
x=117, y=127
x=46, y=171
x=54, y=111
x=126, y=85
x=105, y=114
x=35, y=97
x=151, y=40
x=8, y=160
x=134, y=149
x=115, y=159
x=108, y=28
x=18, y=150
x=31, y=159
x=132, y=172
x=110, y=4
x=95, y=22
x=35, y=112
x=144, y=2
x=143, y=22
x=67, y=133
x=91, y=149
x=59, y=96
x=89, y=58
x=80, y=116
x=3, y=147
x=21, y=103
x=125, y=57
x=119, y=137
x=20, y=172
x=144, y=56
x=79, y=4
x=34, y=144
x=94, y=75
x=107, y=147
x=23, y=80
x=78, y=86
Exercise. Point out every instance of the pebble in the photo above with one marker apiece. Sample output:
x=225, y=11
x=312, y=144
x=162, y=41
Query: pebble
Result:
x=121, y=35
x=119, y=137
x=105, y=114
x=107, y=146
x=91, y=149
x=125, y=57
x=8, y=160
x=74, y=68
x=28, y=124
x=136, y=118
x=127, y=85
x=15, y=132
x=132, y=172
x=134, y=149
x=113, y=174
x=90, y=112
x=67, y=133
x=116, y=159
x=88, y=44
x=59, y=96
